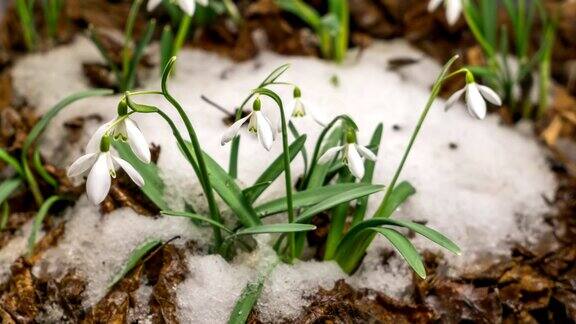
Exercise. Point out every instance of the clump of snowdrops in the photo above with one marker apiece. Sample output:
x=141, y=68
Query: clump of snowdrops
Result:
x=338, y=175
x=518, y=71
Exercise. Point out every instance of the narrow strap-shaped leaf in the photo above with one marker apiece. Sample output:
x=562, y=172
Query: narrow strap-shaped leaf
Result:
x=137, y=254
x=39, y=219
x=429, y=233
x=229, y=191
x=153, y=185
x=255, y=188
x=305, y=198
x=4, y=214
x=275, y=228
x=405, y=248
x=398, y=196
x=246, y=302
x=274, y=170
x=337, y=199
x=196, y=217
x=41, y=125
x=8, y=187
x=166, y=41
x=138, y=53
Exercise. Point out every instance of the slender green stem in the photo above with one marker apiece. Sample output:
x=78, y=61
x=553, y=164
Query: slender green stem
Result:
x=288, y=180
x=435, y=90
x=203, y=174
x=39, y=219
x=5, y=213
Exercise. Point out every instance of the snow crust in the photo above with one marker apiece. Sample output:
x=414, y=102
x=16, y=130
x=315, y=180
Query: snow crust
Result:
x=478, y=182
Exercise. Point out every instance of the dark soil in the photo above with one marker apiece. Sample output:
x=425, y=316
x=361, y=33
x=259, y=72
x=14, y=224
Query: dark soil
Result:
x=536, y=285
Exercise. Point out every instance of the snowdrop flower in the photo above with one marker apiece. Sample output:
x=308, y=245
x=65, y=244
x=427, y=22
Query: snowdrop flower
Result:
x=453, y=9
x=352, y=154
x=188, y=6
x=101, y=166
x=475, y=96
x=300, y=108
x=123, y=129
x=259, y=124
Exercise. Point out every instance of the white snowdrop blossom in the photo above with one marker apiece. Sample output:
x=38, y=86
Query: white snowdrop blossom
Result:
x=259, y=124
x=476, y=94
x=100, y=165
x=352, y=155
x=123, y=129
x=453, y=9
x=188, y=6
x=299, y=107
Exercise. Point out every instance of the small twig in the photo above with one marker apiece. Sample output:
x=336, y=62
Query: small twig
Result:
x=217, y=106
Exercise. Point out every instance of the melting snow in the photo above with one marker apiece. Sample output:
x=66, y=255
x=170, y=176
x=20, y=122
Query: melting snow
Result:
x=478, y=182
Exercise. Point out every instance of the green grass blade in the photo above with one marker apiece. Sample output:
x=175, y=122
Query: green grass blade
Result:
x=39, y=219
x=305, y=198
x=7, y=187
x=197, y=218
x=37, y=160
x=429, y=233
x=153, y=185
x=41, y=125
x=11, y=161
x=138, y=54
x=274, y=170
x=337, y=199
x=303, y=11
x=137, y=254
x=405, y=248
x=5, y=213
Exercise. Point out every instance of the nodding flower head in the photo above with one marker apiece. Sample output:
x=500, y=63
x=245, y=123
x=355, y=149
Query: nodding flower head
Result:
x=299, y=107
x=188, y=6
x=123, y=129
x=476, y=94
x=259, y=124
x=100, y=165
x=352, y=154
x=453, y=9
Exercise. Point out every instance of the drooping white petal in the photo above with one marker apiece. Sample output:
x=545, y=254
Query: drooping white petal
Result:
x=265, y=132
x=137, y=141
x=490, y=95
x=81, y=165
x=330, y=154
x=152, y=4
x=98, y=183
x=203, y=2
x=454, y=98
x=110, y=163
x=131, y=171
x=313, y=112
x=433, y=4
x=233, y=130
x=453, y=11
x=188, y=6
x=366, y=153
x=355, y=163
x=93, y=145
x=475, y=102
